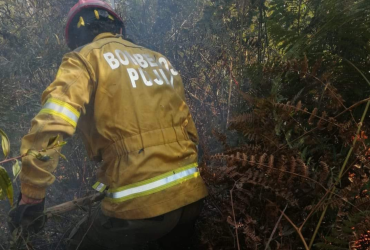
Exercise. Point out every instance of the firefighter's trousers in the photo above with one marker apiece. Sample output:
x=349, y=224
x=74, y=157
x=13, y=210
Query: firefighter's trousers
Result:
x=172, y=231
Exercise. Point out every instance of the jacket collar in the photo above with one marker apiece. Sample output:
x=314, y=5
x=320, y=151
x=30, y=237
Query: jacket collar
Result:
x=104, y=35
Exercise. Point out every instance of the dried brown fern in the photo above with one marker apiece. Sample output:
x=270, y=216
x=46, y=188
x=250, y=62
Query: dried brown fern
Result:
x=299, y=106
x=245, y=119
x=251, y=136
x=293, y=166
x=249, y=148
x=322, y=121
x=336, y=98
x=324, y=173
x=297, y=166
x=262, y=159
x=252, y=161
x=362, y=204
x=305, y=171
x=288, y=196
x=251, y=235
x=312, y=116
x=270, y=165
x=334, y=203
x=282, y=167
x=221, y=137
x=244, y=195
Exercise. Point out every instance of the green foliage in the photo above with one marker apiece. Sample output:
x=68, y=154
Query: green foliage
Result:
x=16, y=169
x=5, y=144
x=297, y=131
x=6, y=187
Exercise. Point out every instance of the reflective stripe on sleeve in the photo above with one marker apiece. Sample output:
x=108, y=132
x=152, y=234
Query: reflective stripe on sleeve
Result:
x=154, y=185
x=61, y=109
x=100, y=187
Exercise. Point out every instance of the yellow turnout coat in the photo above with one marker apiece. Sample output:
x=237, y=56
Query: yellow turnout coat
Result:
x=129, y=104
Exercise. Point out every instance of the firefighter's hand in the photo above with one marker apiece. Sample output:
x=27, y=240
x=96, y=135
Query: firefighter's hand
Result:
x=28, y=215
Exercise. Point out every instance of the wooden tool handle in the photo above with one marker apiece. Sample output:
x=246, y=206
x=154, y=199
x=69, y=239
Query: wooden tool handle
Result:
x=72, y=205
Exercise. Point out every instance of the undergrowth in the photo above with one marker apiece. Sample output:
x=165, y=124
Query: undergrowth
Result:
x=299, y=159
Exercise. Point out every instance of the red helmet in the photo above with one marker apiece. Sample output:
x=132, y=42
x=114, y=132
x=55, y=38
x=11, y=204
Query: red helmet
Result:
x=84, y=4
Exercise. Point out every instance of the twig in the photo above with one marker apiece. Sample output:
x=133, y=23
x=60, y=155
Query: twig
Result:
x=310, y=113
x=305, y=134
x=12, y=159
x=276, y=225
x=324, y=197
x=180, y=27
x=341, y=172
x=222, y=215
x=314, y=129
x=336, y=97
x=307, y=178
x=92, y=222
x=25, y=242
x=352, y=107
x=235, y=225
x=21, y=156
x=297, y=230
x=314, y=210
x=61, y=239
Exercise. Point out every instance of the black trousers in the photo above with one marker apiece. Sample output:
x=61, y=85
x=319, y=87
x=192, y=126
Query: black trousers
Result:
x=172, y=231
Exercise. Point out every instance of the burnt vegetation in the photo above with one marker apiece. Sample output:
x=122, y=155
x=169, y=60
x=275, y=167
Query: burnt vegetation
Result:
x=279, y=91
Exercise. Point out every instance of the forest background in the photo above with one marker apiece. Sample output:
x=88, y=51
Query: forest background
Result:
x=279, y=90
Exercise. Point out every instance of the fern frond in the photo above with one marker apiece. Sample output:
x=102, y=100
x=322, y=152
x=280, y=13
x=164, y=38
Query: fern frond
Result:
x=299, y=106
x=304, y=168
x=322, y=121
x=249, y=232
x=288, y=196
x=245, y=119
x=252, y=161
x=324, y=173
x=282, y=168
x=362, y=204
x=261, y=161
x=221, y=137
x=292, y=169
x=270, y=164
x=312, y=116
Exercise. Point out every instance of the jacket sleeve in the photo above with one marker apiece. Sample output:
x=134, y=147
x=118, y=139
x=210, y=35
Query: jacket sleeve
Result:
x=192, y=131
x=63, y=102
x=190, y=125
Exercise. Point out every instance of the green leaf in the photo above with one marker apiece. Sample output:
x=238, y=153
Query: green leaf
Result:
x=5, y=143
x=304, y=153
x=43, y=158
x=16, y=169
x=63, y=156
x=32, y=152
x=53, y=141
x=2, y=194
x=62, y=143
x=6, y=185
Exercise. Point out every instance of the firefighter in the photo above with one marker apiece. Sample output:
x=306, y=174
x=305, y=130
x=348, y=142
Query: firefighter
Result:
x=129, y=104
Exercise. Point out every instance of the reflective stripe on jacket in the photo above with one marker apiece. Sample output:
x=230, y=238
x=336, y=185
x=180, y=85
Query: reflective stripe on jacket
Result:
x=129, y=104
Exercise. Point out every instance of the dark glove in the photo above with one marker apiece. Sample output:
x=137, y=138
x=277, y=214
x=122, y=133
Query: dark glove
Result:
x=28, y=217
